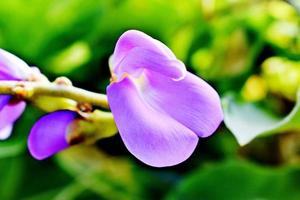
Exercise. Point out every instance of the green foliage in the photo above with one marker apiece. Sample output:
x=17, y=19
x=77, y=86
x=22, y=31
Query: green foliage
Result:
x=225, y=42
x=238, y=180
x=99, y=173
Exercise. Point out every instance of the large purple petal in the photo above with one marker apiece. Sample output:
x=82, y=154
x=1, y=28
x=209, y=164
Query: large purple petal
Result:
x=12, y=65
x=133, y=38
x=5, y=132
x=191, y=101
x=149, y=134
x=10, y=113
x=48, y=135
x=140, y=58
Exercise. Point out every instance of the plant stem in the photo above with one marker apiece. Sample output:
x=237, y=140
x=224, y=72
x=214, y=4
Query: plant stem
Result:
x=30, y=90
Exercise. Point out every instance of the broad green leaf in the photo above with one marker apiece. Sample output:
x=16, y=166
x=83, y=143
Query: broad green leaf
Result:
x=247, y=120
x=234, y=180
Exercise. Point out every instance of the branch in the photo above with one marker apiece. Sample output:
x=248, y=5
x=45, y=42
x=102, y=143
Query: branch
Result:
x=30, y=90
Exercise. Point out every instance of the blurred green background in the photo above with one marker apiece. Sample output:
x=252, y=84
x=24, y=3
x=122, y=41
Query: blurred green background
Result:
x=247, y=49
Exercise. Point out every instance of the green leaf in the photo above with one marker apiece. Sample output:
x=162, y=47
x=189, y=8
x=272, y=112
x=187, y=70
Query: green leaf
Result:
x=11, y=173
x=239, y=180
x=247, y=120
x=109, y=177
x=71, y=58
x=69, y=192
x=12, y=148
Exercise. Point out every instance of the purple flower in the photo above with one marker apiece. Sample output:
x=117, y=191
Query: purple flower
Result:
x=159, y=108
x=49, y=134
x=11, y=68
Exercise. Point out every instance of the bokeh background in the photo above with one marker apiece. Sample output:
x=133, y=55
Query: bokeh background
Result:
x=246, y=48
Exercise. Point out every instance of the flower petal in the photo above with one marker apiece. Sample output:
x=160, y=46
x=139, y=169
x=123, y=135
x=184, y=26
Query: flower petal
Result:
x=10, y=113
x=191, y=101
x=4, y=100
x=133, y=38
x=5, y=132
x=5, y=75
x=12, y=65
x=150, y=135
x=140, y=58
x=48, y=135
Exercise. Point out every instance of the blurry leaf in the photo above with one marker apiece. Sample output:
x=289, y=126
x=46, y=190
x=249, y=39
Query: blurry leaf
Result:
x=281, y=10
x=228, y=55
x=247, y=120
x=221, y=145
x=10, y=172
x=282, y=76
x=71, y=58
x=283, y=33
x=12, y=148
x=50, y=194
x=181, y=42
x=289, y=146
x=45, y=178
x=239, y=180
x=257, y=16
x=236, y=52
x=296, y=4
x=255, y=89
x=202, y=59
x=110, y=177
x=70, y=192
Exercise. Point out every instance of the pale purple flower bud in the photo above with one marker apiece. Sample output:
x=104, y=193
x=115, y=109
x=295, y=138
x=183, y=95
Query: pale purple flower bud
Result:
x=49, y=134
